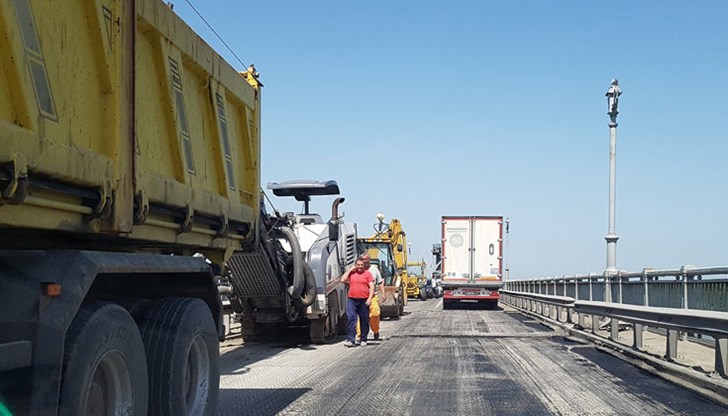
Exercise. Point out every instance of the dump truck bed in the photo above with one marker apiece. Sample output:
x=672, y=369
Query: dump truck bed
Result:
x=119, y=124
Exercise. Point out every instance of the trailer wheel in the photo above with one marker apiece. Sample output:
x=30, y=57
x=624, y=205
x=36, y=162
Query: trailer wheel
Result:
x=104, y=367
x=183, y=357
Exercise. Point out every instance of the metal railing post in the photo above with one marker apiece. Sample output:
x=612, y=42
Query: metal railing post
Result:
x=614, y=329
x=566, y=309
x=579, y=316
x=646, y=295
x=591, y=288
x=721, y=356
x=638, y=332
x=672, y=337
x=684, y=276
x=619, y=288
x=594, y=318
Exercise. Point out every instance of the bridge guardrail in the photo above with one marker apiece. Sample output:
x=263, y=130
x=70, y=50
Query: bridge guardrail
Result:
x=673, y=320
x=689, y=287
x=536, y=302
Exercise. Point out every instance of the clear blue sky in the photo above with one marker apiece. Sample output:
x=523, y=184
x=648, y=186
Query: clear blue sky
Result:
x=421, y=109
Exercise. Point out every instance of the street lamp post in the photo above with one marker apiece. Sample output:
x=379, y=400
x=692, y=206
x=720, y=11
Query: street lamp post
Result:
x=613, y=94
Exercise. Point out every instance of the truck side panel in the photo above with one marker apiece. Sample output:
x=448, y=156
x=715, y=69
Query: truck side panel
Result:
x=60, y=108
x=117, y=119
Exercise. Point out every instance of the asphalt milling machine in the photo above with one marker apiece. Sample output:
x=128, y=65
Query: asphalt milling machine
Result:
x=295, y=280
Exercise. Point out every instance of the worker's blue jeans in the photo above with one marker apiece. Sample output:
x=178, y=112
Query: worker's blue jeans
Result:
x=357, y=308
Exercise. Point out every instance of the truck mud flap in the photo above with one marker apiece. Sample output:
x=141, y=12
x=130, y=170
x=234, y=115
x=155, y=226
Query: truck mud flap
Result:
x=253, y=276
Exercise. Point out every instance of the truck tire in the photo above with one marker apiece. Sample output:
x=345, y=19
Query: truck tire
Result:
x=182, y=356
x=104, y=366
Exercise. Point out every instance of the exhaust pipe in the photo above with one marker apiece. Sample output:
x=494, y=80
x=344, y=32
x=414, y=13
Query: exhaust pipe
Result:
x=335, y=208
x=334, y=221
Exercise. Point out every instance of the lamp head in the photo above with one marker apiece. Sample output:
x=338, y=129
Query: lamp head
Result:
x=612, y=95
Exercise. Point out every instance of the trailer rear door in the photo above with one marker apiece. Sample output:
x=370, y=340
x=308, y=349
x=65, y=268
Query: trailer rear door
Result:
x=457, y=237
x=487, y=244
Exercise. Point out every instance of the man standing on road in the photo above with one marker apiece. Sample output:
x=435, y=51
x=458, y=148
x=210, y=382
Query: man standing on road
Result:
x=374, y=311
x=361, y=290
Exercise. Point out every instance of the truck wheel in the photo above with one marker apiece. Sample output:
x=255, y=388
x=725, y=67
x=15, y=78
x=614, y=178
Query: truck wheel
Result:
x=183, y=357
x=104, y=367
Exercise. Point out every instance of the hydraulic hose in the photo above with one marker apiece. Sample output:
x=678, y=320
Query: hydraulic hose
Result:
x=309, y=294
x=297, y=287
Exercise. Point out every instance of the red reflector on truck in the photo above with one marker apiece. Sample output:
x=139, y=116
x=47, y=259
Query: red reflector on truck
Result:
x=51, y=289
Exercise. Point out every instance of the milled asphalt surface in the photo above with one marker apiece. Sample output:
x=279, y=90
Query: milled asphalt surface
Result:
x=434, y=362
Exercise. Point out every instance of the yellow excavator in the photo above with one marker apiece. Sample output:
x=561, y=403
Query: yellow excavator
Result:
x=416, y=279
x=388, y=251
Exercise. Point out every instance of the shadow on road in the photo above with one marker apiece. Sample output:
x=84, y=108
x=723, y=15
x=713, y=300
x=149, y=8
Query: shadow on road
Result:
x=258, y=402
x=474, y=306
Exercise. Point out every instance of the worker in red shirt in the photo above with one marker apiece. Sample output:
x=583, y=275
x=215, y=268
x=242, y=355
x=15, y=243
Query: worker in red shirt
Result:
x=379, y=296
x=361, y=290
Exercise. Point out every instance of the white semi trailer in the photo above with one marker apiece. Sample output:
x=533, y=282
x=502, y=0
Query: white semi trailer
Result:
x=472, y=259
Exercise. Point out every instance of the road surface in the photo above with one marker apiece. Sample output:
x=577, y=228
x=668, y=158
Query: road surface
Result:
x=435, y=362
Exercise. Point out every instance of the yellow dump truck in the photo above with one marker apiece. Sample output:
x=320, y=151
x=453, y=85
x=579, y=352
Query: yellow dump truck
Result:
x=126, y=146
